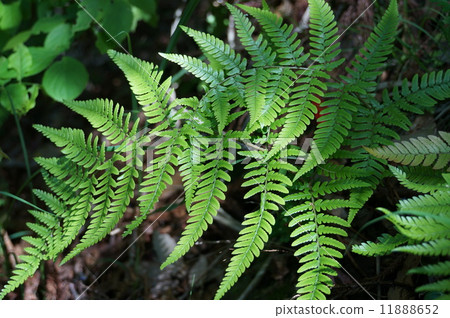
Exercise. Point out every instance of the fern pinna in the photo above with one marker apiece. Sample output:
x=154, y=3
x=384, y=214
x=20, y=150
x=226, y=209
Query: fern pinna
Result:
x=274, y=87
x=423, y=221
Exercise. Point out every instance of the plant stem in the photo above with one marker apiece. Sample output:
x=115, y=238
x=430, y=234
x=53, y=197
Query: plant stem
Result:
x=187, y=13
x=22, y=144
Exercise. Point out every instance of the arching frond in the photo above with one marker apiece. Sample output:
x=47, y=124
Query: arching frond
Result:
x=432, y=150
x=218, y=52
x=262, y=54
x=267, y=183
x=145, y=82
x=209, y=190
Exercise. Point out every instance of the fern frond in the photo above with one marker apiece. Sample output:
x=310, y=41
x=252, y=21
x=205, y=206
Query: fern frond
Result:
x=46, y=244
x=335, y=124
x=438, y=269
x=262, y=54
x=335, y=171
x=418, y=95
x=74, y=187
x=323, y=38
x=436, y=203
x=442, y=286
x=255, y=91
x=429, y=248
x=416, y=186
x=197, y=68
x=145, y=82
x=341, y=105
x=423, y=224
x=72, y=141
x=158, y=175
x=386, y=243
x=104, y=193
x=247, y=247
x=210, y=189
x=432, y=150
x=265, y=180
x=218, y=52
x=21, y=273
x=368, y=64
x=288, y=48
x=313, y=228
x=52, y=202
x=221, y=106
x=190, y=170
x=420, y=226
x=108, y=119
x=311, y=88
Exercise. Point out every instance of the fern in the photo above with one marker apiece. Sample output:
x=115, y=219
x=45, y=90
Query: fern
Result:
x=306, y=95
x=423, y=221
x=429, y=151
x=210, y=188
x=267, y=183
x=274, y=88
x=220, y=55
x=341, y=104
x=314, y=231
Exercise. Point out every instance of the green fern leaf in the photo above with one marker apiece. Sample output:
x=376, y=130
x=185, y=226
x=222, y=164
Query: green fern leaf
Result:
x=259, y=49
x=108, y=119
x=159, y=175
x=439, y=286
x=341, y=105
x=430, y=248
x=386, y=243
x=436, y=203
x=209, y=190
x=199, y=69
x=416, y=186
x=22, y=272
x=419, y=95
x=218, y=52
x=281, y=35
x=418, y=151
x=368, y=65
x=144, y=79
x=312, y=230
x=265, y=181
x=86, y=154
x=438, y=269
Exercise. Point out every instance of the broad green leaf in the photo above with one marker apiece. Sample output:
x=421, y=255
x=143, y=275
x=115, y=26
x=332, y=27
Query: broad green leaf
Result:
x=148, y=10
x=83, y=21
x=23, y=99
x=5, y=74
x=65, y=79
x=95, y=7
x=16, y=40
x=117, y=21
x=148, y=6
x=10, y=15
x=47, y=24
x=20, y=61
x=59, y=38
x=42, y=58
